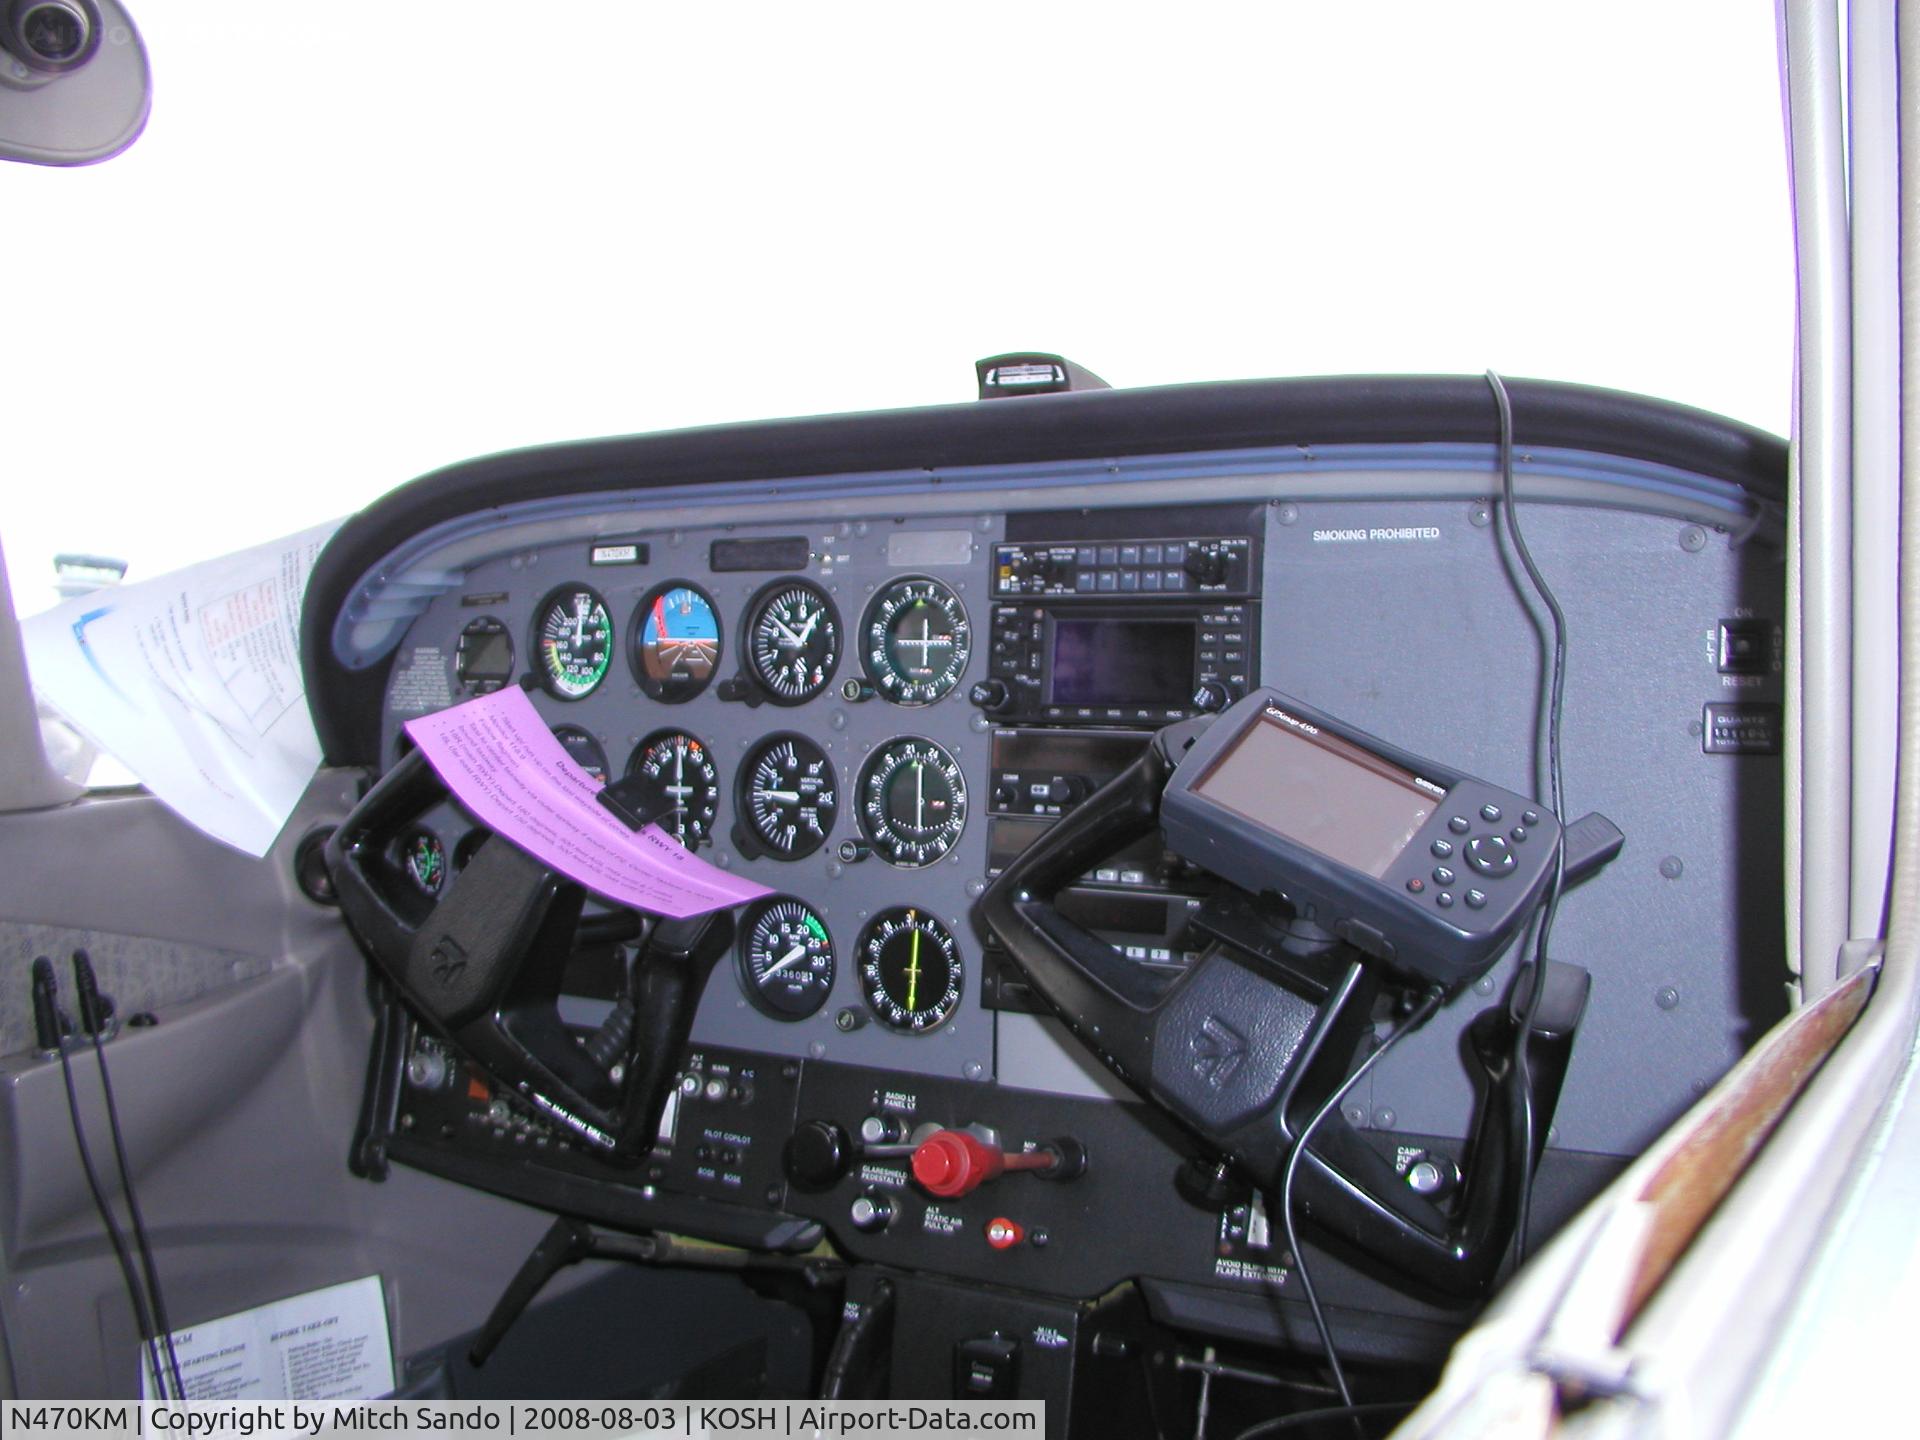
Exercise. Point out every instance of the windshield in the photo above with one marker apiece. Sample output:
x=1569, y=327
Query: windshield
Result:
x=353, y=246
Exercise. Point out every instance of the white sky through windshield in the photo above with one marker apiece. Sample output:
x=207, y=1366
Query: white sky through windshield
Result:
x=357, y=244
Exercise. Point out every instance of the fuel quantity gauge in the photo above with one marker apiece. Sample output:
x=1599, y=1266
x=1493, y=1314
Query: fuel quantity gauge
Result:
x=786, y=958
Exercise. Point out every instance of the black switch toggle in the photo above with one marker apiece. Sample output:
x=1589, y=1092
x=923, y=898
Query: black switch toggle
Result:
x=987, y=1368
x=1746, y=647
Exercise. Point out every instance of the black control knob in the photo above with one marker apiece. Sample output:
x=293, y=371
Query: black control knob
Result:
x=989, y=695
x=1068, y=790
x=818, y=1155
x=1211, y=695
x=856, y=690
x=852, y=852
x=1207, y=567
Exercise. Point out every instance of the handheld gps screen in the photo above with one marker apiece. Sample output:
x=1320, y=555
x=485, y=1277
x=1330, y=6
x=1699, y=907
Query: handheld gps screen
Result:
x=1324, y=792
x=1408, y=860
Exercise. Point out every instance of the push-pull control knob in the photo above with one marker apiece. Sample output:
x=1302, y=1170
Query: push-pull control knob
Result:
x=818, y=1155
x=952, y=1163
x=871, y=1211
x=882, y=1130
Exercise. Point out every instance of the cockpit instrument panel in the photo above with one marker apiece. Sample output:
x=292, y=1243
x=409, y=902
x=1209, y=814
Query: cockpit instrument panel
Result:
x=874, y=712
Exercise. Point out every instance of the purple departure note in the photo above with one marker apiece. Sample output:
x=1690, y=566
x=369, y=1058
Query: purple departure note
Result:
x=501, y=761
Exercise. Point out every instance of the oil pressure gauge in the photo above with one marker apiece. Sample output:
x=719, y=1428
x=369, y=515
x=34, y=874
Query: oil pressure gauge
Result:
x=426, y=860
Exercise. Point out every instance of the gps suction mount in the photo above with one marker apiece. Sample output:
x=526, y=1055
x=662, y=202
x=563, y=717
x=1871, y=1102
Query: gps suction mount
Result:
x=1248, y=1043
x=481, y=963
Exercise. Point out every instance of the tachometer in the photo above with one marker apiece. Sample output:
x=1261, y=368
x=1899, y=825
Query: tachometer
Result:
x=915, y=641
x=787, y=798
x=675, y=638
x=573, y=640
x=681, y=782
x=910, y=970
x=793, y=640
x=786, y=958
x=913, y=801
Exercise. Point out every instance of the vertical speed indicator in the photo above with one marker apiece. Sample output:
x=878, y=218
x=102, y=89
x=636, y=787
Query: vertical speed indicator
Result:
x=787, y=798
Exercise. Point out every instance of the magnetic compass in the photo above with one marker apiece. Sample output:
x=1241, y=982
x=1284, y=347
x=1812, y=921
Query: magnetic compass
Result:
x=786, y=958
x=913, y=801
x=787, y=798
x=915, y=640
x=793, y=640
x=910, y=970
x=572, y=642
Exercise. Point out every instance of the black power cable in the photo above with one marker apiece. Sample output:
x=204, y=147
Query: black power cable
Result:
x=1556, y=700
x=93, y=1020
x=43, y=985
x=1414, y=1019
x=1330, y=1412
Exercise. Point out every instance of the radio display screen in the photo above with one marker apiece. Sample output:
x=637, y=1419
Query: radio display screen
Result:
x=1113, y=661
x=1321, y=791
